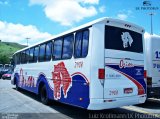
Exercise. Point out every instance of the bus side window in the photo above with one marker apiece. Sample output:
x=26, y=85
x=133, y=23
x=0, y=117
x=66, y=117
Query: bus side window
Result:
x=57, y=52
x=31, y=55
x=68, y=47
x=24, y=60
x=48, y=51
x=81, y=44
x=78, y=44
x=13, y=61
x=85, y=43
x=35, y=55
x=18, y=58
x=27, y=56
x=42, y=53
x=23, y=57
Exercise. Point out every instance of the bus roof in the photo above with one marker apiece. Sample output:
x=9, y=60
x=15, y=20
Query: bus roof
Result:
x=103, y=19
x=153, y=37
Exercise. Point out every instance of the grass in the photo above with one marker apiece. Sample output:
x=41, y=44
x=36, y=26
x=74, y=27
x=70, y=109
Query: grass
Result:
x=7, y=49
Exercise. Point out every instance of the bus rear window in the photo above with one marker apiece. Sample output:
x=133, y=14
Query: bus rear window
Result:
x=123, y=39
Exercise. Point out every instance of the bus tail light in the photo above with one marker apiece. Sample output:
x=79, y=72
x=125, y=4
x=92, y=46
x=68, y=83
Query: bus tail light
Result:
x=145, y=74
x=101, y=73
x=140, y=91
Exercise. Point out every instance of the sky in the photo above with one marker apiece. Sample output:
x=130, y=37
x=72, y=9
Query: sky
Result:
x=39, y=20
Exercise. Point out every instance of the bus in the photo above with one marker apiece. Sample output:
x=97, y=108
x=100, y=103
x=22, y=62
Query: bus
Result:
x=99, y=65
x=152, y=57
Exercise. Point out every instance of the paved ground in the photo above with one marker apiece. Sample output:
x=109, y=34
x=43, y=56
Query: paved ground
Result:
x=22, y=104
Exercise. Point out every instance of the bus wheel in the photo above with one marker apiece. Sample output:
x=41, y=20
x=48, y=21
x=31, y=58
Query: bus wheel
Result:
x=17, y=88
x=44, y=96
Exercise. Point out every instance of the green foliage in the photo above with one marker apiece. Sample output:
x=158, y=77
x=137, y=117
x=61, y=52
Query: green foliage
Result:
x=6, y=51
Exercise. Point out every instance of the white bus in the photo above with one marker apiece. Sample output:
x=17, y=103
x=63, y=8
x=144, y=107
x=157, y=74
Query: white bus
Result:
x=99, y=65
x=152, y=57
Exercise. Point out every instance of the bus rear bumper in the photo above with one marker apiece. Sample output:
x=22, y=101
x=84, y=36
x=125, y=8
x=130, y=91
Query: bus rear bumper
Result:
x=100, y=104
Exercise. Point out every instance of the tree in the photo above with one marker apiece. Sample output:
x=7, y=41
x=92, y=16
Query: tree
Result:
x=4, y=59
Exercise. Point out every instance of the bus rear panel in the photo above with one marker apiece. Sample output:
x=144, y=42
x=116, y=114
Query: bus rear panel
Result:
x=119, y=65
x=152, y=57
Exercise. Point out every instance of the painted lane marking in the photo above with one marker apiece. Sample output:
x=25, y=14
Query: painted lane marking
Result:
x=154, y=100
x=132, y=108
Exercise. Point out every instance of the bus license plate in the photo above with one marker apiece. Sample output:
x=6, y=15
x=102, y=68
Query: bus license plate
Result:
x=128, y=90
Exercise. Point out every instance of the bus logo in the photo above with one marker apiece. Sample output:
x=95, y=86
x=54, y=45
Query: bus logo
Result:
x=139, y=71
x=61, y=80
x=125, y=64
x=127, y=39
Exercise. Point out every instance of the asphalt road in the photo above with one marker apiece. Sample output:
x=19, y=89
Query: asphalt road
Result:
x=23, y=105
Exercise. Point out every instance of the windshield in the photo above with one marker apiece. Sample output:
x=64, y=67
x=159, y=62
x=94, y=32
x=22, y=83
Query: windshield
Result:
x=6, y=66
x=9, y=72
x=123, y=39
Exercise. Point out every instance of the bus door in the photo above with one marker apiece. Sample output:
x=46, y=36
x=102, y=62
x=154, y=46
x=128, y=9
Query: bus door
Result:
x=124, y=70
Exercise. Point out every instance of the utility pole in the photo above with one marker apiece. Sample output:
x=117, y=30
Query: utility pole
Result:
x=151, y=14
x=27, y=40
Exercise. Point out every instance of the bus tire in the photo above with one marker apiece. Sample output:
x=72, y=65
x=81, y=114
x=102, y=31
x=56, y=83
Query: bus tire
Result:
x=44, y=95
x=17, y=88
